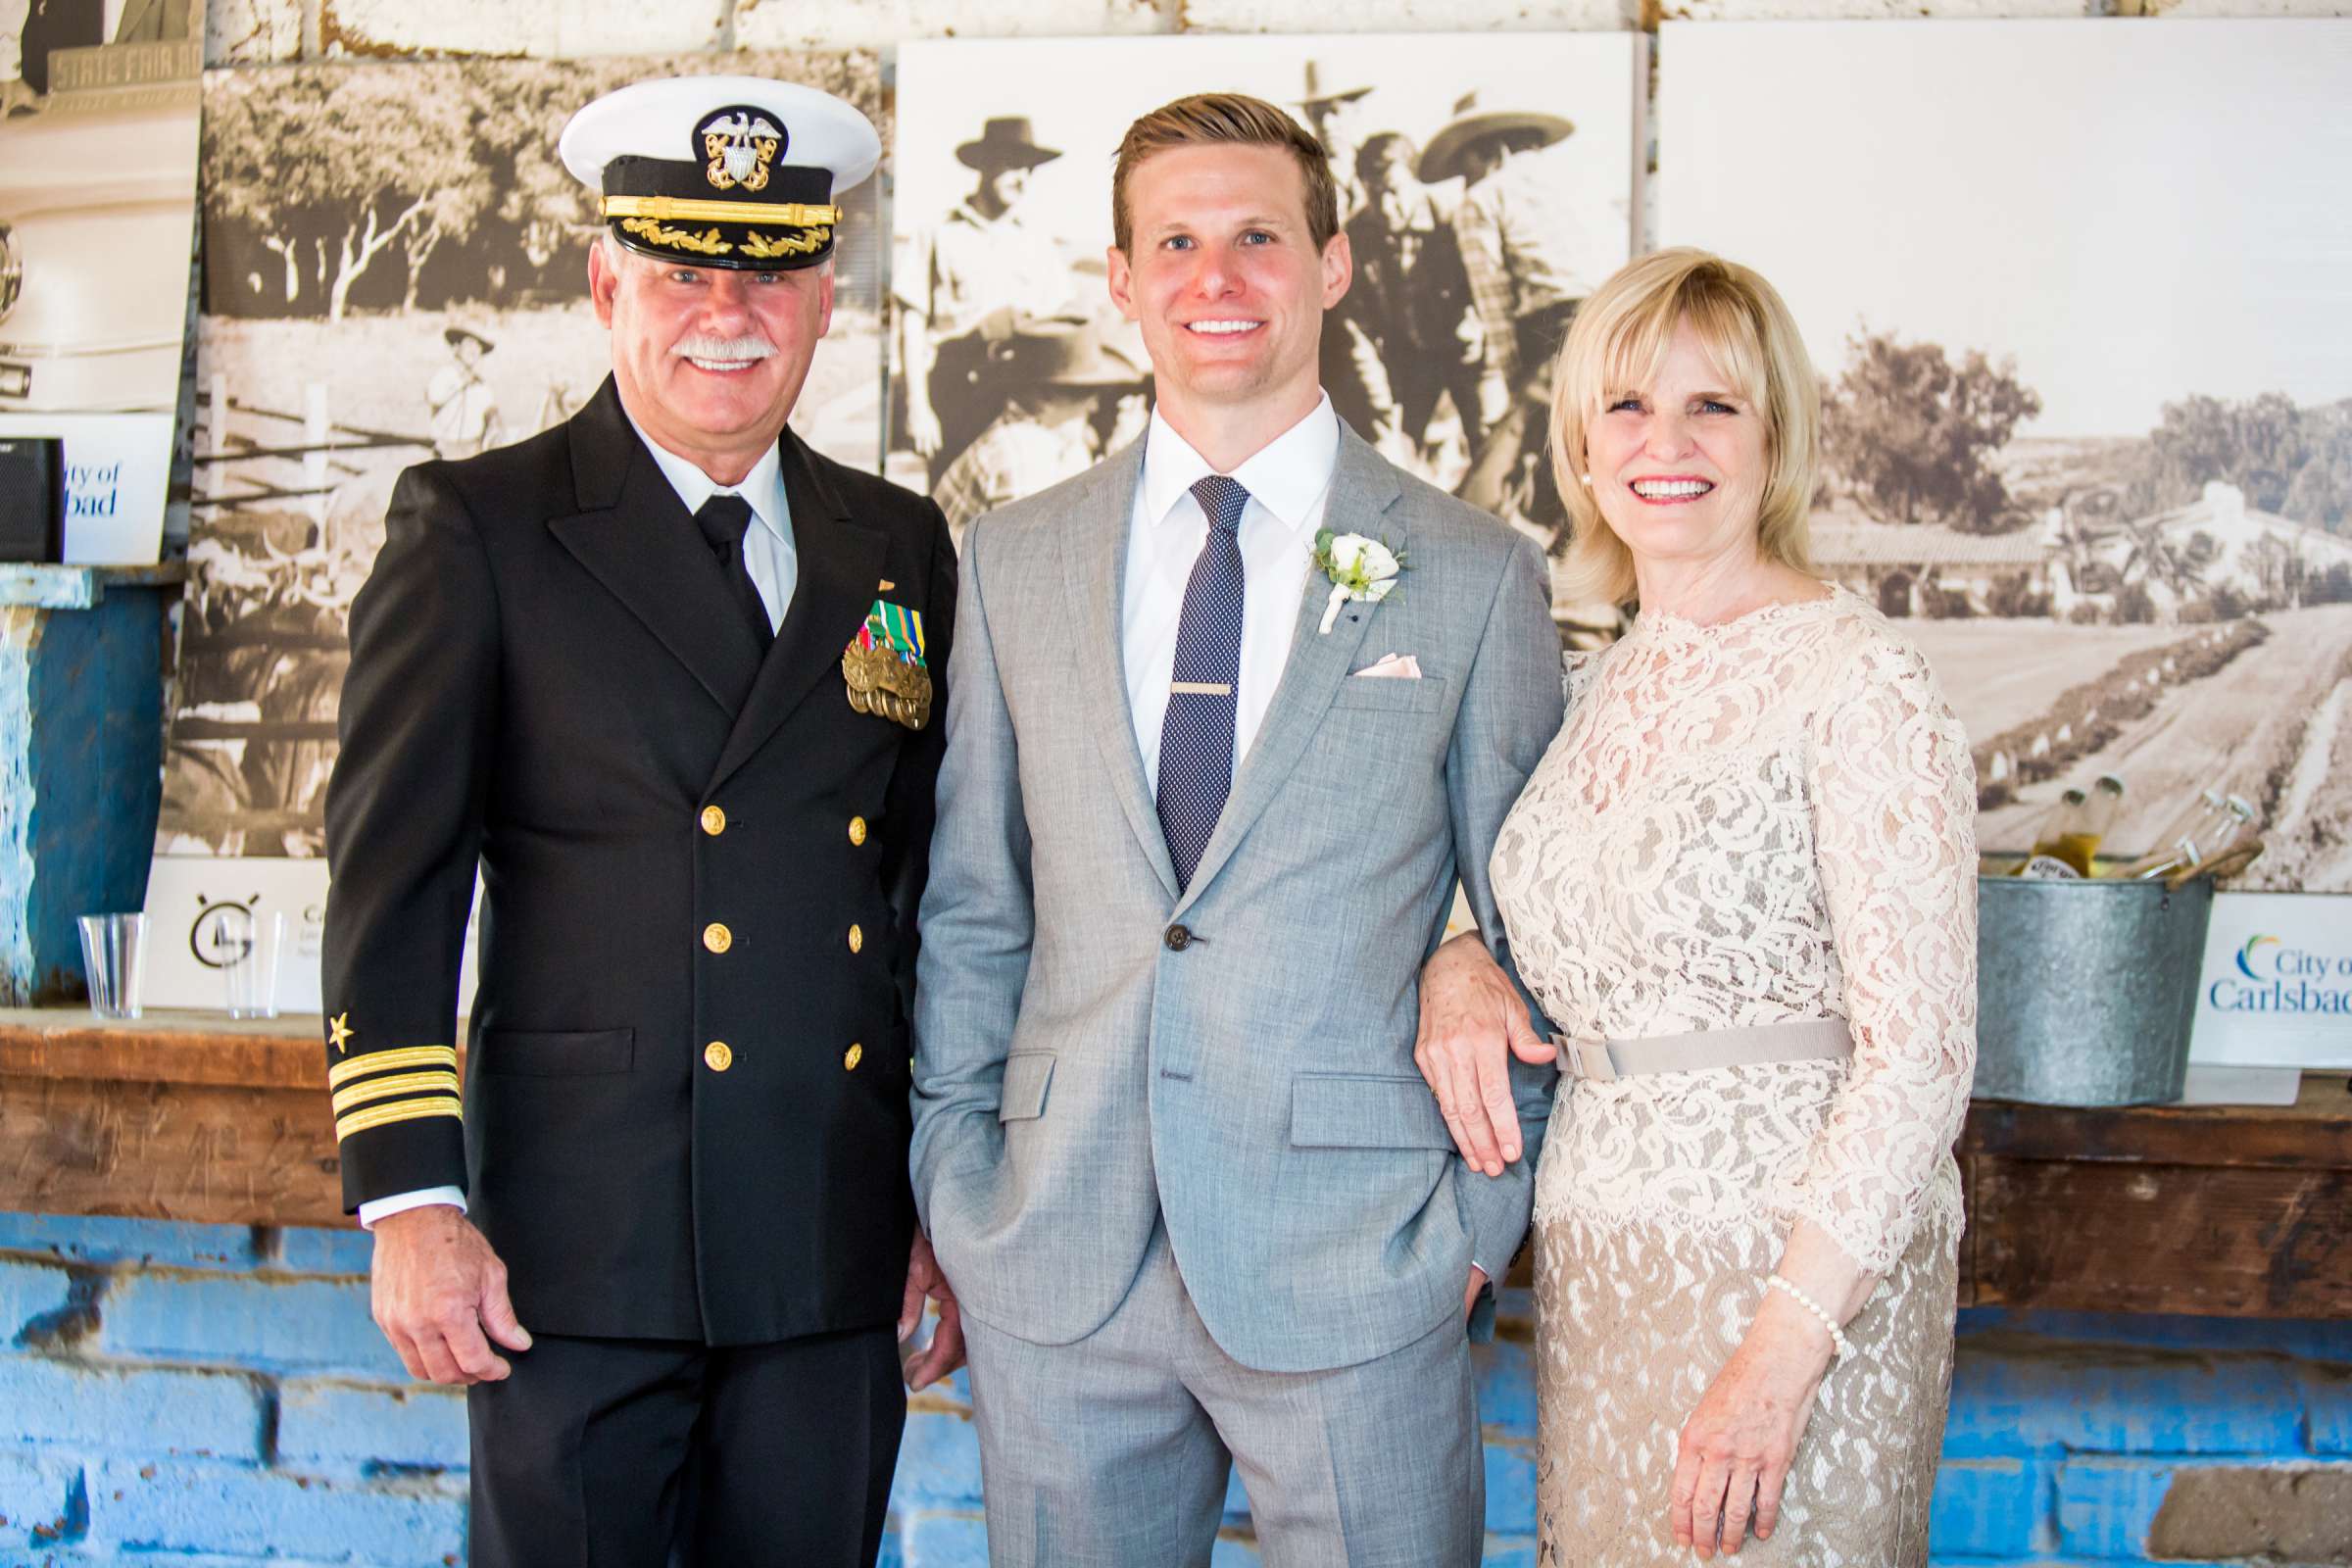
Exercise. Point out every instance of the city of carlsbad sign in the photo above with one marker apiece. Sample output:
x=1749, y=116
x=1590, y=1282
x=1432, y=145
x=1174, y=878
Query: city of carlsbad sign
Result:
x=2276, y=988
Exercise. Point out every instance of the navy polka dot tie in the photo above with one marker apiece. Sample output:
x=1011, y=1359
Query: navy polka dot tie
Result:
x=1196, y=739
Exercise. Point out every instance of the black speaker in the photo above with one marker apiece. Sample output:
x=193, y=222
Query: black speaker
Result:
x=32, y=498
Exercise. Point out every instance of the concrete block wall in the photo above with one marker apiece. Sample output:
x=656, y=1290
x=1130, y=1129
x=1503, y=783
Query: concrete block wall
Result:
x=2081, y=1438
x=212, y=1396
x=218, y=1397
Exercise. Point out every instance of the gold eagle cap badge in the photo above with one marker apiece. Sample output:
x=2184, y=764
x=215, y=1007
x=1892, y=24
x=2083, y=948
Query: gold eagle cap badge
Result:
x=740, y=143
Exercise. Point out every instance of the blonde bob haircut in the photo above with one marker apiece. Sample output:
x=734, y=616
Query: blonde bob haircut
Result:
x=1615, y=347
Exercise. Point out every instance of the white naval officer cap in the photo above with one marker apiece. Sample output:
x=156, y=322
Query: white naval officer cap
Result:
x=736, y=172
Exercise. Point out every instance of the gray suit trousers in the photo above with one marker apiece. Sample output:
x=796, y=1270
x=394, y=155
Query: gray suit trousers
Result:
x=1115, y=1453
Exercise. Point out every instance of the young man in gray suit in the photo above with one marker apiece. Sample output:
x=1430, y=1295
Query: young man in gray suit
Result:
x=1200, y=819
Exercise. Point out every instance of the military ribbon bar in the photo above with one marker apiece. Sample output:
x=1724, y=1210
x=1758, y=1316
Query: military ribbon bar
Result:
x=896, y=627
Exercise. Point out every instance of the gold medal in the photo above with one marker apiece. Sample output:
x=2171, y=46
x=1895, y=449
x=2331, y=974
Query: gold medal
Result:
x=884, y=670
x=883, y=684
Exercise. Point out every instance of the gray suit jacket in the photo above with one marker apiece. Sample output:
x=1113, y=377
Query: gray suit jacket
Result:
x=1094, y=1047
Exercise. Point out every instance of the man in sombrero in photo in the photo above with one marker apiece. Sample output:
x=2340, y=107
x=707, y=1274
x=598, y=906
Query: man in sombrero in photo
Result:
x=670, y=681
x=1521, y=240
x=961, y=284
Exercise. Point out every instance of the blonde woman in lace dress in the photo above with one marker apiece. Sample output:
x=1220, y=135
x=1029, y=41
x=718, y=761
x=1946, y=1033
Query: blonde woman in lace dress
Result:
x=1741, y=884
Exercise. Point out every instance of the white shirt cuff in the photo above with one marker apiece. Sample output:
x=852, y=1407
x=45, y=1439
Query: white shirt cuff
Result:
x=376, y=1208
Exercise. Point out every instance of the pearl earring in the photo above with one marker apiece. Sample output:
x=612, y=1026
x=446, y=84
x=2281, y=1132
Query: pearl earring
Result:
x=1585, y=479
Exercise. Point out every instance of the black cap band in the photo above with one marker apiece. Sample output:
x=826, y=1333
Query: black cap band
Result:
x=787, y=219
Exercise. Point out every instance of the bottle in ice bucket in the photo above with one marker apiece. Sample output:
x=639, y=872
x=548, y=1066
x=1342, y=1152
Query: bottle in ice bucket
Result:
x=2177, y=844
x=2078, y=841
x=2224, y=831
x=2064, y=817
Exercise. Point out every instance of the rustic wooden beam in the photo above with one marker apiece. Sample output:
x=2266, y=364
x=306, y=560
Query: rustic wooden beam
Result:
x=2232, y=1210
x=200, y=1153
x=1969, y=1231
x=188, y=1117
x=2313, y=1134
x=164, y=1047
x=2110, y=1237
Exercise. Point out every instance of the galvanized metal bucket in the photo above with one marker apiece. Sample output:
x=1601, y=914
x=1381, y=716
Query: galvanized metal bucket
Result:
x=2086, y=989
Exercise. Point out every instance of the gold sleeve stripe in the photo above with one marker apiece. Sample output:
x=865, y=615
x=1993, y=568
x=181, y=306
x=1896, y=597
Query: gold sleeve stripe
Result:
x=800, y=214
x=407, y=1083
x=375, y=1061
x=359, y=1121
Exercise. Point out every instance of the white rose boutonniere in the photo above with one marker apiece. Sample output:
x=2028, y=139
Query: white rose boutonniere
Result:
x=1359, y=568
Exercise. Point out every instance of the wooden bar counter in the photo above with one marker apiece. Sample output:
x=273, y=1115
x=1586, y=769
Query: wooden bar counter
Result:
x=2236, y=1211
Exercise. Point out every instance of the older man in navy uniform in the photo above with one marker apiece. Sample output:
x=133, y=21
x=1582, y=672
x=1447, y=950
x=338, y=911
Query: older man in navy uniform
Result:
x=671, y=681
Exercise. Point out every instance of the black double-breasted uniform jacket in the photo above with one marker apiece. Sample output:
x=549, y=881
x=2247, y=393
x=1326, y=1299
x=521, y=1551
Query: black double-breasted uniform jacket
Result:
x=685, y=1112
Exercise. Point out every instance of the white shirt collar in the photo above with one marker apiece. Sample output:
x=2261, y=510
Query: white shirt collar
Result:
x=1286, y=476
x=762, y=487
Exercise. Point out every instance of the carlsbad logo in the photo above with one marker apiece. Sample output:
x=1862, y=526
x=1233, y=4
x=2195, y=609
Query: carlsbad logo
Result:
x=740, y=142
x=2274, y=977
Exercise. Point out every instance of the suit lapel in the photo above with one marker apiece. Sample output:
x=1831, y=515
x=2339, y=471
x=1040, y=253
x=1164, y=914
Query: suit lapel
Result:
x=841, y=564
x=633, y=535
x=1363, y=489
x=1095, y=579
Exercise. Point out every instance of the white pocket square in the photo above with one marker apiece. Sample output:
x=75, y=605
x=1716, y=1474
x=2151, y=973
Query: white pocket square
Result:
x=1391, y=667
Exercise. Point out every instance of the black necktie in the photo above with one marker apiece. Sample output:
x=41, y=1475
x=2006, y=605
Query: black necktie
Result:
x=724, y=521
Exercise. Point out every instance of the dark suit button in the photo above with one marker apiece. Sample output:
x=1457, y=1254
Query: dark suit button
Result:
x=1178, y=939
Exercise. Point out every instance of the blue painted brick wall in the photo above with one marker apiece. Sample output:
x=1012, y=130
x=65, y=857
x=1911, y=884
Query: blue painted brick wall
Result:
x=217, y=1398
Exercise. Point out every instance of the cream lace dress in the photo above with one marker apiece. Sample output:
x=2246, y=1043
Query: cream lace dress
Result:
x=1765, y=820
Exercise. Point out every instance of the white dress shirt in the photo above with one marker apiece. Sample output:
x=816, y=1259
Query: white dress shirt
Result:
x=1289, y=481
x=774, y=563
x=768, y=552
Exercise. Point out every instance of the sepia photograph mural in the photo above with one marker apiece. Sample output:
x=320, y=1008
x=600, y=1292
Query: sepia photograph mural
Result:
x=2080, y=299
x=1483, y=191
x=396, y=269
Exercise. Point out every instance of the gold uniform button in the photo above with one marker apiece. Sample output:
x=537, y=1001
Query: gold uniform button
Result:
x=714, y=820
x=850, y=1057
x=717, y=1057
x=717, y=938
x=856, y=830
x=857, y=940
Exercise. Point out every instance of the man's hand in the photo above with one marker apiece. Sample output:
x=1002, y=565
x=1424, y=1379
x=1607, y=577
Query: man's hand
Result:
x=1472, y=1023
x=924, y=1280
x=1477, y=1283
x=438, y=1290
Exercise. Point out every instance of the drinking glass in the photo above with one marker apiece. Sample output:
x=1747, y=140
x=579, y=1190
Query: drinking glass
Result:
x=114, y=957
x=250, y=965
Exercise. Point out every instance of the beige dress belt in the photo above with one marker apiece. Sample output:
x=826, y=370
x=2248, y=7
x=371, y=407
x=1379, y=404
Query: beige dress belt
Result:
x=1598, y=1060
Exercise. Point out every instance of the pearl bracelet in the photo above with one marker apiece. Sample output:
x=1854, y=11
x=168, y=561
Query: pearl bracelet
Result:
x=1838, y=1340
